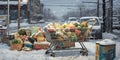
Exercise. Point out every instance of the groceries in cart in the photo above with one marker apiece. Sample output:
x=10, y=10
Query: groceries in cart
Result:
x=68, y=31
x=64, y=36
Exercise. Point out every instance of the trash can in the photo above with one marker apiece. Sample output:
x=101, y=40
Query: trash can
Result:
x=105, y=50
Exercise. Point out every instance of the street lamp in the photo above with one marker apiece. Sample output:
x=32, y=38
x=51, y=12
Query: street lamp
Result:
x=98, y=8
x=18, y=14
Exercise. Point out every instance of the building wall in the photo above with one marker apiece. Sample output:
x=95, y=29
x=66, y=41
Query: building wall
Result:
x=32, y=9
x=13, y=11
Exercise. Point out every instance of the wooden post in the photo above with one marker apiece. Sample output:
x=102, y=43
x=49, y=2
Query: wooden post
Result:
x=8, y=17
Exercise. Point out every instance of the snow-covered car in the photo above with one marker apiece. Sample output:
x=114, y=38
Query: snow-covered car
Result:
x=14, y=21
x=96, y=26
x=33, y=22
x=72, y=19
x=3, y=20
x=116, y=23
x=41, y=21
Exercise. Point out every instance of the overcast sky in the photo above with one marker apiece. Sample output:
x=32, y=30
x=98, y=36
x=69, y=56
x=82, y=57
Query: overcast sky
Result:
x=60, y=10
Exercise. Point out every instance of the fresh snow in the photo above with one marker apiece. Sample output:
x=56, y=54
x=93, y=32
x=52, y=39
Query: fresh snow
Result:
x=116, y=31
x=12, y=2
x=106, y=42
x=109, y=36
x=21, y=24
x=7, y=54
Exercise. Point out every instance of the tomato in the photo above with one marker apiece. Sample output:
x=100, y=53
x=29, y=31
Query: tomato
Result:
x=77, y=32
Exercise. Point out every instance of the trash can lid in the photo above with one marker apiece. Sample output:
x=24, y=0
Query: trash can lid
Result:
x=106, y=42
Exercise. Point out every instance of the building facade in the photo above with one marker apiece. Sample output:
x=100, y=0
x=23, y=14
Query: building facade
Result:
x=13, y=8
x=28, y=9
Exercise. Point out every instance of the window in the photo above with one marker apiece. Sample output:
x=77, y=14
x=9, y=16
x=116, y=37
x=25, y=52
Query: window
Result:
x=10, y=0
x=91, y=21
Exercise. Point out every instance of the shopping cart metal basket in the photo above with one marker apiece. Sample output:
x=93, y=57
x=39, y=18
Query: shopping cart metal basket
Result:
x=55, y=42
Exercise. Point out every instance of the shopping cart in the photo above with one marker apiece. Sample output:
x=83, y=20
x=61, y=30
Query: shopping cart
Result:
x=54, y=42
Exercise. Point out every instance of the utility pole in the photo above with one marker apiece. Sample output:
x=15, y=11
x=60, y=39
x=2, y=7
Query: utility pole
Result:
x=111, y=15
x=18, y=14
x=29, y=14
x=97, y=8
x=104, y=14
x=80, y=10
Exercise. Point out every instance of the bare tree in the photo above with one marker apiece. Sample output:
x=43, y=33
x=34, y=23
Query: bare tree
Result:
x=81, y=9
x=80, y=12
x=70, y=14
x=35, y=8
x=48, y=14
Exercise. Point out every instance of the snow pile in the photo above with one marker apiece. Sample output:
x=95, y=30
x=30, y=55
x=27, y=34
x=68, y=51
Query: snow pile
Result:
x=73, y=58
x=3, y=46
x=21, y=24
x=12, y=2
x=109, y=36
x=106, y=42
x=116, y=31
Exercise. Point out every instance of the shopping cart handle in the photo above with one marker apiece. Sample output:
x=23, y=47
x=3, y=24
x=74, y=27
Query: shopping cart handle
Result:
x=47, y=35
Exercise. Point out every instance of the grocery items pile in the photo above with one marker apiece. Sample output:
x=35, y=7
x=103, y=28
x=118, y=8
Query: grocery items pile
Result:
x=65, y=34
x=69, y=31
x=27, y=39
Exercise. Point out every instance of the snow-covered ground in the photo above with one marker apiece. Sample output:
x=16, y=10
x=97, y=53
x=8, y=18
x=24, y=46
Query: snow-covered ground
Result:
x=7, y=54
x=109, y=36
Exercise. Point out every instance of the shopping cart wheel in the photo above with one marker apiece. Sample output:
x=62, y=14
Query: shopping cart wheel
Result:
x=47, y=52
x=81, y=51
x=52, y=54
x=84, y=54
